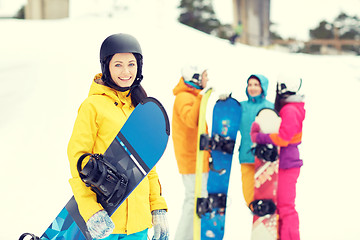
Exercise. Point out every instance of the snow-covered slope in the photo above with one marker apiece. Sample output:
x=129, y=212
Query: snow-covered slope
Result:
x=46, y=68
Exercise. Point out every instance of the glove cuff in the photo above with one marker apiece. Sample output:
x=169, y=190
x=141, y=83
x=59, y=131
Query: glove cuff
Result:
x=159, y=212
x=100, y=225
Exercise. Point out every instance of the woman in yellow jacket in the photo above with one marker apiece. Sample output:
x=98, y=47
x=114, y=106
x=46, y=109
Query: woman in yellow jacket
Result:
x=113, y=95
x=185, y=127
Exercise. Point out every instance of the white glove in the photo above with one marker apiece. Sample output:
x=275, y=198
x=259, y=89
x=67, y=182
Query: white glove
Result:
x=100, y=225
x=161, y=226
x=224, y=96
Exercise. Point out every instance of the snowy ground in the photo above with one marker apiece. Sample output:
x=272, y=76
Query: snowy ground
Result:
x=46, y=68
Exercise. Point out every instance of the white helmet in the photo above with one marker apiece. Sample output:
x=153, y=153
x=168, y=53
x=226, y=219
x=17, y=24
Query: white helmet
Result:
x=288, y=83
x=193, y=73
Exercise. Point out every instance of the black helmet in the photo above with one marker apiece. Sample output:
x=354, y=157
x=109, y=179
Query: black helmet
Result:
x=120, y=43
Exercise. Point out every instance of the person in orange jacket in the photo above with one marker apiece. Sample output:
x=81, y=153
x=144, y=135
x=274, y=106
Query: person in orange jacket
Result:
x=113, y=95
x=188, y=94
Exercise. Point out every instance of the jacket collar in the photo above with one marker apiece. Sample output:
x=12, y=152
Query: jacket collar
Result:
x=256, y=99
x=183, y=87
x=98, y=87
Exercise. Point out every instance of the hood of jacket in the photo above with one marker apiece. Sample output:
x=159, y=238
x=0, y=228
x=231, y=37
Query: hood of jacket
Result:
x=183, y=87
x=264, y=82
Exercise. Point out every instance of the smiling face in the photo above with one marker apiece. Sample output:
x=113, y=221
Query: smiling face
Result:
x=254, y=87
x=123, y=69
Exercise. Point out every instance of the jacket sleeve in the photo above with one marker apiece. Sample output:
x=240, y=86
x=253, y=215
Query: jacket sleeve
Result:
x=156, y=200
x=263, y=138
x=82, y=141
x=188, y=107
x=288, y=128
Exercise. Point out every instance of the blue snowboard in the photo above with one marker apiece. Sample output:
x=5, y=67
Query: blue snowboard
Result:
x=134, y=152
x=225, y=124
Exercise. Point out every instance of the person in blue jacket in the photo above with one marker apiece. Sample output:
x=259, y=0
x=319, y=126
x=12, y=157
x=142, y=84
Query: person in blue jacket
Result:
x=256, y=91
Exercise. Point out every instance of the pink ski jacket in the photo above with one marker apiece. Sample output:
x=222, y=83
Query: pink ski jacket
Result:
x=289, y=136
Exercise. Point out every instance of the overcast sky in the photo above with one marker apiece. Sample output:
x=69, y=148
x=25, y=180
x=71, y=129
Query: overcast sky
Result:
x=289, y=13
x=293, y=18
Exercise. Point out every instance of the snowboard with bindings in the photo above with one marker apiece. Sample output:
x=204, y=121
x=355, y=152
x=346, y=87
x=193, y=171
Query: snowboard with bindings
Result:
x=225, y=124
x=199, y=160
x=265, y=219
x=114, y=174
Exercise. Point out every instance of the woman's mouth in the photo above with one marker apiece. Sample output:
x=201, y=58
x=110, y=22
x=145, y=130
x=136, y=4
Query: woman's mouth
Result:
x=125, y=79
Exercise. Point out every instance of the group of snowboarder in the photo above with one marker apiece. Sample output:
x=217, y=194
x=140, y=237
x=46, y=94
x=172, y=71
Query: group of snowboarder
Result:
x=288, y=103
x=116, y=92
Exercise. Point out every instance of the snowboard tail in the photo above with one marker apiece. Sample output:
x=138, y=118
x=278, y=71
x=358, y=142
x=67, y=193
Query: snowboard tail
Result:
x=68, y=225
x=113, y=175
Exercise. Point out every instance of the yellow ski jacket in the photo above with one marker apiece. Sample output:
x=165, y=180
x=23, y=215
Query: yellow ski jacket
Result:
x=100, y=117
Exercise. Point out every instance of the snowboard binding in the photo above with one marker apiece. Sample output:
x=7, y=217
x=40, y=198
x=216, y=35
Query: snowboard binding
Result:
x=224, y=144
x=217, y=142
x=266, y=152
x=262, y=207
x=103, y=178
x=33, y=237
x=207, y=205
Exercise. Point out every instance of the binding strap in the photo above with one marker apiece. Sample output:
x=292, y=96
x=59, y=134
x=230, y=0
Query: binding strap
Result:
x=32, y=236
x=103, y=178
x=262, y=207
